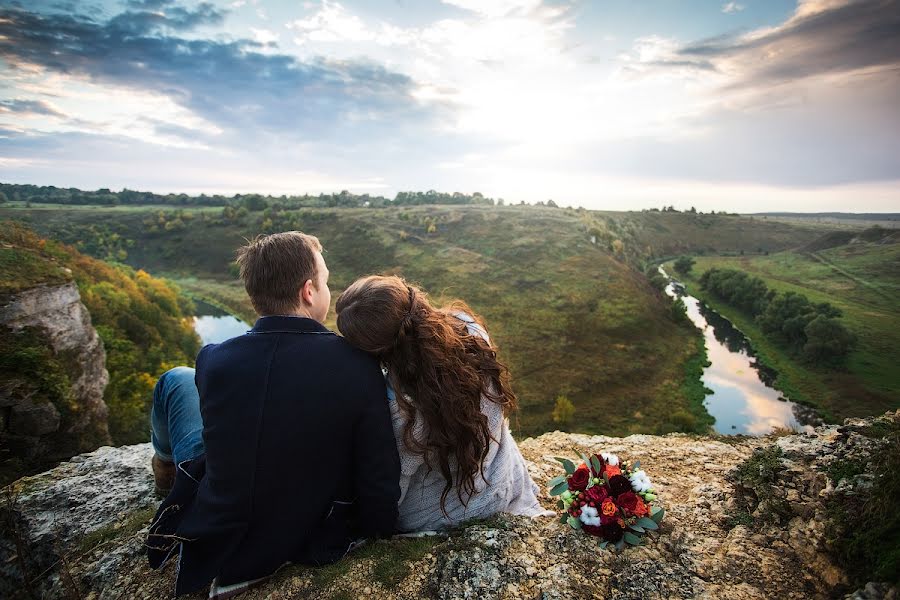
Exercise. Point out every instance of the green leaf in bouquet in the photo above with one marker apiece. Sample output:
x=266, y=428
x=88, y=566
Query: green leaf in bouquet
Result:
x=559, y=488
x=636, y=465
x=560, y=504
x=564, y=518
x=584, y=458
x=574, y=522
x=647, y=523
x=632, y=539
x=556, y=481
x=657, y=514
x=604, y=544
x=620, y=545
x=636, y=527
x=567, y=464
x=595, y=464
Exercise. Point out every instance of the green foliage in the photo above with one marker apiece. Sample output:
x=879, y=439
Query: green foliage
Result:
x=141, y=320
x=806, y=329
x=684, y=264
x=563, y=410
x=738, y=289
x=864, y=525
x=757, y=501
x=826, y=340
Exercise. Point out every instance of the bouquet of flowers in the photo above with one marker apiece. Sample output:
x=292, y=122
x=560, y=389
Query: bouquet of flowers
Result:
x=607, y=498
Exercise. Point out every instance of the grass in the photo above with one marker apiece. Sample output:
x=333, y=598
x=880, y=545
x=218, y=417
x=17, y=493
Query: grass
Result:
x=569, y=316
x=862, y=280
x=23, y=269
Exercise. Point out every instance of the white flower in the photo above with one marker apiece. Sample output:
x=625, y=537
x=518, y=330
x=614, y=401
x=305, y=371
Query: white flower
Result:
x=589, y=516
x=640, y=482
x=611, y=459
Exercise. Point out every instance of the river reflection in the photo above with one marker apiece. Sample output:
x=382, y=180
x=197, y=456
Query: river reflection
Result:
x=215, y=326
x=742, y=399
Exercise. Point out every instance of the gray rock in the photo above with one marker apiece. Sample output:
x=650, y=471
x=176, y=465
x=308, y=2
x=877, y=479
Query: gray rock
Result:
x=55, y=511
x=34, y=430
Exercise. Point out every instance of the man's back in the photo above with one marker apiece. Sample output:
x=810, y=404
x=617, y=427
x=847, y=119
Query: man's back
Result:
x=297, y=434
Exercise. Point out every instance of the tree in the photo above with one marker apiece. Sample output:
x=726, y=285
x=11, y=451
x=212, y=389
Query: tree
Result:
x=564, y=410
x=684, y=264
x=3, y=198
x=827, y=341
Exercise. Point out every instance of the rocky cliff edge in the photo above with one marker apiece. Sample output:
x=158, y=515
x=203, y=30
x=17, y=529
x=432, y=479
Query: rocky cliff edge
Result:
x=745, y=518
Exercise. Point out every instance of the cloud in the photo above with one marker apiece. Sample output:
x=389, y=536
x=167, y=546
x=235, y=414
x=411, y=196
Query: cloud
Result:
x=822, y=37
x=173, y=17
x=732, y=7
x=496, y=8
x=29, y=108
x=148, y=4
x=230, y=83
x=264, y=36
x=333, y=23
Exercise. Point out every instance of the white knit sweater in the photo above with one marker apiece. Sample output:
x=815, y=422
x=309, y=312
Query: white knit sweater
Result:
x=509, y=487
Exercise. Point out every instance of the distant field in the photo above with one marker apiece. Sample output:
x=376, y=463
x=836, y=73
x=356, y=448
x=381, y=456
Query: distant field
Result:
x=562, y=290
x=863, y=280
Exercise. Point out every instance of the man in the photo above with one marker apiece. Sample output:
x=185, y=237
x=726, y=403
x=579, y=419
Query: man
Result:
x=283, y=451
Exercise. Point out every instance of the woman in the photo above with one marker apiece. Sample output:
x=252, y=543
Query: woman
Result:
x=449, y=398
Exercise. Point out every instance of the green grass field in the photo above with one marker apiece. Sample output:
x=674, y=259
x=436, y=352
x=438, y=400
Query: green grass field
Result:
x=571, y=314
x=863, y=280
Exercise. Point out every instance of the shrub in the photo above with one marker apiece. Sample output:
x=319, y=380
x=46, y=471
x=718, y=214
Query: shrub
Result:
x=564, y=410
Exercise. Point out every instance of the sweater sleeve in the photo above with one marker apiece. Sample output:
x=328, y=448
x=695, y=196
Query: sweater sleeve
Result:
x=409, y=461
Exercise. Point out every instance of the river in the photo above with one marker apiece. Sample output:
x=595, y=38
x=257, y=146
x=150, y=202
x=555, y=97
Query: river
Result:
x=214, y=325
x=742, y=398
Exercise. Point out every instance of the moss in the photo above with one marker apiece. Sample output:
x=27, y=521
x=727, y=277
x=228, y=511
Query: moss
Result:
x=128, y=526
x=756, y=479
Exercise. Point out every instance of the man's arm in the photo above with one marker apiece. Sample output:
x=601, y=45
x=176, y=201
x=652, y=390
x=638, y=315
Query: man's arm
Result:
x=376, y=462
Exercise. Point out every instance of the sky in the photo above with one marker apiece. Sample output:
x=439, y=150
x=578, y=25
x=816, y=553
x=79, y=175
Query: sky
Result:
x=745, y=106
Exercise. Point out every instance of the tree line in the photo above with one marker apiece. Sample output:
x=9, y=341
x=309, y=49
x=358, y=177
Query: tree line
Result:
x=49, y=194
x=809, y=330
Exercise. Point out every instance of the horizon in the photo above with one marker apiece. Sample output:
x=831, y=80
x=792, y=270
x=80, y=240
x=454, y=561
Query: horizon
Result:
x=746, y=107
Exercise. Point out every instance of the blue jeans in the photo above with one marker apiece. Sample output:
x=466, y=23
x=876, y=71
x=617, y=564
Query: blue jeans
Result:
x=176, y=425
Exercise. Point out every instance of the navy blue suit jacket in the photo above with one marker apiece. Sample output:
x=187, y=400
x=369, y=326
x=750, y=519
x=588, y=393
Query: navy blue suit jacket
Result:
x=300, y=457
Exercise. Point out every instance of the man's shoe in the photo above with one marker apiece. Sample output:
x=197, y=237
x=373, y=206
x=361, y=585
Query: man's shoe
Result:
x=163, y=476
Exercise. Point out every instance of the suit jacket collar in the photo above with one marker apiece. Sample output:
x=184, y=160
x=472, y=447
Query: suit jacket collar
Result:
x=284, y=324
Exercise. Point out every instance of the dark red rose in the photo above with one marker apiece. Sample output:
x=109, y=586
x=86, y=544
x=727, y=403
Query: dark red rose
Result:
x=596, y=494
x=579, y=479
x=612, y=532
x=619, y=484
x=593, y=530
x=627, y=502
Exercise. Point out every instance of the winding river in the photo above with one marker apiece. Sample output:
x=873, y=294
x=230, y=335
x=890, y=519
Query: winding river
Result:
x=742, y=399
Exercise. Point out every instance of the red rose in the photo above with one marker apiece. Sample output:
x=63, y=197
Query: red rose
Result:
x=628, y=502
x=596, y=494
x=579, y=479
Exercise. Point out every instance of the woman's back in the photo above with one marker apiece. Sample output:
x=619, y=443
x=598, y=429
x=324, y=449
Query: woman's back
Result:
x=509, y=487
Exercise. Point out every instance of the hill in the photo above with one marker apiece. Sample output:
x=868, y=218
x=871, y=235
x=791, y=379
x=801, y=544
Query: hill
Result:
x=559, y=287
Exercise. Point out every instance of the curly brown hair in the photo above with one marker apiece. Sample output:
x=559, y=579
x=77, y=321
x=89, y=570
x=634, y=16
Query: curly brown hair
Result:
x=440, y=372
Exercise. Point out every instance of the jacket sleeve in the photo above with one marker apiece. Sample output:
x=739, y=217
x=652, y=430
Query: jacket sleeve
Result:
x=376, y=462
